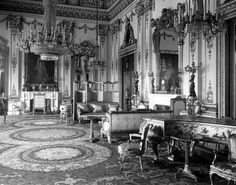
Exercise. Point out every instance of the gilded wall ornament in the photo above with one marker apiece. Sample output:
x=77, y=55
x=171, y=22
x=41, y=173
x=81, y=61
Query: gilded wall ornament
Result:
x=87, y=49
x=116, y=26
x=209, y=93
x=103, y=29
x=143, y=6
x=66, y=64
x=165, y=22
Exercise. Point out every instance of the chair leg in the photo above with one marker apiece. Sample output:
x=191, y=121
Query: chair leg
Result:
x=122, y=159
x=211, y=180
x=141, y=163
x=109, y=138
x=101, y=133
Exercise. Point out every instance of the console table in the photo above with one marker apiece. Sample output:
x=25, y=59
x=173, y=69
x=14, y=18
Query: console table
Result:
x=191, y=129
x=212, y=129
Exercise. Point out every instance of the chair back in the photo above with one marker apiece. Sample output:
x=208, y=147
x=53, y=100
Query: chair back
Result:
x=177, y=104
x=143, y=138
x=232, y=147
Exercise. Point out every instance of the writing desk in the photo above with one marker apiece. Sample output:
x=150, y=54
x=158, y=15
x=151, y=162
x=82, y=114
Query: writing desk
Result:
x=192, y=129
x=213, y=129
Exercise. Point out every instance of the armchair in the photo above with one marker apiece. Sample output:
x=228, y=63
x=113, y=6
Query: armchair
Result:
x=227, y=169
x=134, y=148
x=155, y=136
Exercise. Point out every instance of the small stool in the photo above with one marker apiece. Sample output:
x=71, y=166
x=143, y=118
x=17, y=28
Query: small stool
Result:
x=65, y=113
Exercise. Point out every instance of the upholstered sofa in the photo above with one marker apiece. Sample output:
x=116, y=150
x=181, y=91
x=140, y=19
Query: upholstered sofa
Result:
x=98, y=109
x=126, y=122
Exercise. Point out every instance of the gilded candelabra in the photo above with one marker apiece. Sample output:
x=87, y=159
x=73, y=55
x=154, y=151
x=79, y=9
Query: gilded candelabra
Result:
x=193, y=104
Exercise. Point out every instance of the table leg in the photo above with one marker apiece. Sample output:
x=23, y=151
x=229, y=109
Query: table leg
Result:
x=186, y=172
x=5, y=116
x=91, y=131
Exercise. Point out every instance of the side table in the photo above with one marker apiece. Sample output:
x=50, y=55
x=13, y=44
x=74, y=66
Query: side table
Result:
x=92, y=118
x=189, y=144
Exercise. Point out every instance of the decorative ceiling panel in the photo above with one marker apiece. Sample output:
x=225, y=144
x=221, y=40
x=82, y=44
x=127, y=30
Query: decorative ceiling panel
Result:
x=82, y=9
x=102, y=4
x=36, y=7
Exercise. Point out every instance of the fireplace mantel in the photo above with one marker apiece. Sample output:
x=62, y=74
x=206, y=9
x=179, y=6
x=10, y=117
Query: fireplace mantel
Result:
x=50, y=96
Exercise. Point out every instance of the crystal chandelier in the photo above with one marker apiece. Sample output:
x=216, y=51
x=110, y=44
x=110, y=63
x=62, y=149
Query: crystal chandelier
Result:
x=196, y=18
x=97, y=61
x=50, y=39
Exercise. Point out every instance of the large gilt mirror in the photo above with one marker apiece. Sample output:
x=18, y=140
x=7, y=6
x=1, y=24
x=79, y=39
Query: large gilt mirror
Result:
x=166, y=75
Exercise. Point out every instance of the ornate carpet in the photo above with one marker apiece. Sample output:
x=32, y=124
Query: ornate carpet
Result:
x=43, y=151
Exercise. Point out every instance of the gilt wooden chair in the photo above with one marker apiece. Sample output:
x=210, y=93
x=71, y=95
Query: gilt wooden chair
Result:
x=134, y=148
x=226, y=170
x=155, y=136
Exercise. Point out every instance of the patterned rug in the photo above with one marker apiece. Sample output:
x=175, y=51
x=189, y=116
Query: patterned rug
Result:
x=43, y=151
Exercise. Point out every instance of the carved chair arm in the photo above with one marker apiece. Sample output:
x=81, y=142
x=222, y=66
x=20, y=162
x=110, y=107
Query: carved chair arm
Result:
x=79, y=111
x=219, y=151
x=216, y=152
x=134, y=136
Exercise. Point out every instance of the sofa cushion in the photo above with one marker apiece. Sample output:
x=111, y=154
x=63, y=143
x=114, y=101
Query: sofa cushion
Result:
x=92, y=114
x=97, y=107
x=112, y=107
x=161, y=107
x=84, y=107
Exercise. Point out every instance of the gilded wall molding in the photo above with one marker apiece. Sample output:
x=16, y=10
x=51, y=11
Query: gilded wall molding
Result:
x=128, y=50
x=116, y=26
x=143, y=6
x=118, y=8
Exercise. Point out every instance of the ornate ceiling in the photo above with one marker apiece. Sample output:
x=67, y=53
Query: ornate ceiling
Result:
x=81, y=9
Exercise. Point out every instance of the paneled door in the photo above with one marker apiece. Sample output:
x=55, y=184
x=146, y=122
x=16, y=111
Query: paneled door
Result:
x=230, y=70
x=127, y=81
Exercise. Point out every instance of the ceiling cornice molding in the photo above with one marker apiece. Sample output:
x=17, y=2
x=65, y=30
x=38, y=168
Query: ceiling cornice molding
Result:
x=34, y=7
x=21, y=6
x=63, y=10
x=120, y=6
x=228, y=10
x=82, y=12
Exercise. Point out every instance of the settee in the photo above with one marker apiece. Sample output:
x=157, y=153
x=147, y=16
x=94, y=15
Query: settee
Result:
x=126, y=122
x=98, y=109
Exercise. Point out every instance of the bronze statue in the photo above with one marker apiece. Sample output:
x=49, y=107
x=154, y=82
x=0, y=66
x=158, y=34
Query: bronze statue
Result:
x=129, y=34
x=156, y=36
